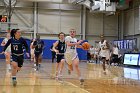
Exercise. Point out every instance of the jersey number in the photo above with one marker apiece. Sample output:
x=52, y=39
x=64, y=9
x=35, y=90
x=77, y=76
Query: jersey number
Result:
x=39, y=45
x=15, y=47
x=72, y=47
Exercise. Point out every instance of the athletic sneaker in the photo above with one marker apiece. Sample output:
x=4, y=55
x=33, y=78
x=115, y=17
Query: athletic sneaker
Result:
x=81, y=81
x=14, y=83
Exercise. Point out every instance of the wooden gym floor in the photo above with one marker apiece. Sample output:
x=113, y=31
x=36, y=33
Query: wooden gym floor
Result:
x=116, y=80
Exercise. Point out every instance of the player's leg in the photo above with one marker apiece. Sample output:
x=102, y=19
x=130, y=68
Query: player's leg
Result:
x=14, y=71
x=103, y=64
x=8, y=57
x=36, y=59
x=68, y=58
x=40, y=59
x=76, y=65
x=61, y=65
x=57, y=65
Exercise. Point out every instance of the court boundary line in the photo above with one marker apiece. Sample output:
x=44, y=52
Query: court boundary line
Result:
x=77, y=86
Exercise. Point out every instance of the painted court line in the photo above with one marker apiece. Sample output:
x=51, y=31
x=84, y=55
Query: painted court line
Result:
x=77, y=87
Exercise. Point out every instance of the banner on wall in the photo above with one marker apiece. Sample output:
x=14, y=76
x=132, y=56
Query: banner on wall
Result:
x=126, y=44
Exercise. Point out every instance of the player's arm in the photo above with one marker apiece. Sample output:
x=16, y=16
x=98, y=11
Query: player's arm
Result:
x=54, y=47
x=108, y=46
x=99, y=49
x=25, y=45
x=3, y=43
x=79, y=46
x=43, y=45
x=31, y=45
x=34, y=44
x=7, y=44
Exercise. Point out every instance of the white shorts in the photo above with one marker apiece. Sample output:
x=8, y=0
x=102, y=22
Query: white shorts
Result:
x=69, y=57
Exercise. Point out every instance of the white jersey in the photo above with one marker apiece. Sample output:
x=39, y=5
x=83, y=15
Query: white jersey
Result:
x=115, y=51
x=92, y=50
x=9, y=47
x=103, y=52
x=70, y=49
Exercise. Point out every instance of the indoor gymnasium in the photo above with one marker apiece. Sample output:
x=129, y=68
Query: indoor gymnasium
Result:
x=69, y=46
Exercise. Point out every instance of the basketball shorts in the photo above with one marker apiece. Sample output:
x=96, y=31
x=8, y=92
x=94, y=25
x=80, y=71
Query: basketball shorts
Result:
x=19, y=59
x=69, y=57
x=59, y=58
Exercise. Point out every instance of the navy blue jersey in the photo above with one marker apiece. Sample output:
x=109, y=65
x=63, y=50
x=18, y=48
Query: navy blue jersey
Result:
x=17, y=46
x=61, y=46
x=39, y=45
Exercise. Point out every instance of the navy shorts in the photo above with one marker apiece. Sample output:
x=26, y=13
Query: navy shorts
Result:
x=59, y=58
x=37, y=54
x=18, y=59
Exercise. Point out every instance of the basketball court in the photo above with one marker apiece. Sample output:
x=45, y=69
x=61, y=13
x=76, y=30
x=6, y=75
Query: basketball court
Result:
x=96, y=81
x=118, y=21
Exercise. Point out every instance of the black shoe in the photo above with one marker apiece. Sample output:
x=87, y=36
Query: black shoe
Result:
x=81, y=81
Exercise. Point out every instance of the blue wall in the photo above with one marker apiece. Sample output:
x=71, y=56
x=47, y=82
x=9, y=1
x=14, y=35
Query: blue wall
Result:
x=47, y=53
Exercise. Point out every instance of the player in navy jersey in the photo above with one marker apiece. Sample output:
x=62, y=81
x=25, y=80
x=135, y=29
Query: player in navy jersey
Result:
x=59, y=48
x=39, y=46
x=17, y=44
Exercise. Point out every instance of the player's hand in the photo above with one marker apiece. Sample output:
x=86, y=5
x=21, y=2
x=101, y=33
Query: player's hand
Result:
x=27, y=54
x=56, y=51
x=79, y=42
x=2, y=52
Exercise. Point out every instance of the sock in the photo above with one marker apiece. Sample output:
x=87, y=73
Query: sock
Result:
x=80, y=78
x=13, y=77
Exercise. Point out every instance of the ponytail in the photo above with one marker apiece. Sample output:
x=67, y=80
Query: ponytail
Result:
x=13, y=31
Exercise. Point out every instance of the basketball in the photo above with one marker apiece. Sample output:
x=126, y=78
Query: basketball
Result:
x=86, y=45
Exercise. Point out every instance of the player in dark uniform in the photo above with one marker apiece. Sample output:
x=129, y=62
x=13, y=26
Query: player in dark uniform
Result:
x=53, y=53
x=17, y=45
x=39, y=46
x=59, y=48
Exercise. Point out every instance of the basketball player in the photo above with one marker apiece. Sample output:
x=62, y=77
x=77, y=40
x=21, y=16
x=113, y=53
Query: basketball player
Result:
x=7, y=52
x=39, y=46
x=32, y=51
x=71, y=55
x=59, y=48
x=17, y=45
x=53, y=53
x=92, y=51
x=103, y=52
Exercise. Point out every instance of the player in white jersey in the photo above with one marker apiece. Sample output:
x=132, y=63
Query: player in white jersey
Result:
x=7, y=52
x=104, y=52
x=32, y=52
x=71, y=55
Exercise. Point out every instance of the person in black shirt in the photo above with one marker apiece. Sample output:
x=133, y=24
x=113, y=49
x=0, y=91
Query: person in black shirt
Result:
x=53, y=53
x=17, y=45
x=39, y=46
x=59, y=48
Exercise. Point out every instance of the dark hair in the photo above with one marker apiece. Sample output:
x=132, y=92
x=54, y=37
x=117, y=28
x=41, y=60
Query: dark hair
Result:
x=61, y=33
x=13, y=31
